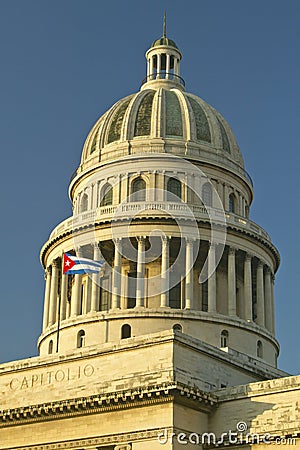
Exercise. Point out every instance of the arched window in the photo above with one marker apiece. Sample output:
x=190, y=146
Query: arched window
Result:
x=224, y=338
x=50, y=347
x=138, y=190
x=80, y=339
x=125, y=331
x=177, y=327
x=84, y=203
x=232, y=203
x=259, y=349
x=106, y=195
x=207, y=194
x=173, y=190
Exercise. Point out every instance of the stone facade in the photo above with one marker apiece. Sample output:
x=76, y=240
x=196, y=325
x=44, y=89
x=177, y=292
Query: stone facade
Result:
x=138, y=393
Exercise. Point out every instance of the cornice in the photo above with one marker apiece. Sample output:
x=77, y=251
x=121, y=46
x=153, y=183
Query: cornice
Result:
x=105, y=222
x=99, y=403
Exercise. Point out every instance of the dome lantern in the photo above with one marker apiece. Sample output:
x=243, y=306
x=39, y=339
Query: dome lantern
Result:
x=163, y=62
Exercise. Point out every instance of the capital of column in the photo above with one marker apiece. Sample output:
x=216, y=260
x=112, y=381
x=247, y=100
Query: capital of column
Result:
x=232, y=250
x=260, y=264
x=47, y=272
x=140, y=239
x=189, y=240
x=272, y=277
x=248, y=257
x=56, y=262
x=268, y=270
x=165, y=241
x=213, y=244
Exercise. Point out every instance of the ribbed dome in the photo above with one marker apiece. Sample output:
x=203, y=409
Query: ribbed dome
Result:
x=183, y=123
x=164, y=41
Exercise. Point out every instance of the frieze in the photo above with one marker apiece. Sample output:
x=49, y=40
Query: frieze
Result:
x=119, y=440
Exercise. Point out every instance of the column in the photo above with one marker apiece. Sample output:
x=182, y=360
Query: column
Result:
x=189, y=285
x=168, y=66
x=88, y=295
x=248, y=288
x=90, y=198
x=78, y=203
x=152, y=184
x=231, y=282
x=273, y=305
x=220, y=191
x=68, y=308
x=260, y=319
x=241, y=209
x=47, y=297
x=268, y=300
x=53, y=292
x=158, y=66
x=125, y=194
x=212, y=280
x=151, y=68
x=95, y=195
x=76, y=292
x=117, y=190
x=116, y=275
x=176, y=67
x=185, y=189
x=140, y=272
x=95, y=283
x=226, y=197
x=164, y=296
x=63, y=298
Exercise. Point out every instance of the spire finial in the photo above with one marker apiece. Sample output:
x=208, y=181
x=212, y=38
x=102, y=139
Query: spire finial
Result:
x=165, y=25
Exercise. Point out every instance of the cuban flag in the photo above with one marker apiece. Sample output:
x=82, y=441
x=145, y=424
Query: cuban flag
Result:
x=78, y=265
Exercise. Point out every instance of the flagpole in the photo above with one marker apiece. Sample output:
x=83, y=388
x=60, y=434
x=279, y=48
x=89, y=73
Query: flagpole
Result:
x=59, y=303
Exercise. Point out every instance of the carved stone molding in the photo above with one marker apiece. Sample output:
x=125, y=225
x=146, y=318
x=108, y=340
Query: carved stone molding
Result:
x=105, y=402
x=120, y=441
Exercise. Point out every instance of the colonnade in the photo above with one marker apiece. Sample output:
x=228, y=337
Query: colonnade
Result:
x=257, y=282
x=164, y=63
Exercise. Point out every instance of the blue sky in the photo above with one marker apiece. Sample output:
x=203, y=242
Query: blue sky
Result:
x=64, y=62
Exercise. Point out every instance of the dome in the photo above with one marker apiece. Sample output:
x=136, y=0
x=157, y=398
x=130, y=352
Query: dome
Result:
x=163, y=120
x=164, y=41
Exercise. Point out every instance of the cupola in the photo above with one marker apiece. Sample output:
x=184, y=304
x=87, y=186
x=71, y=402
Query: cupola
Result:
x=163, y=62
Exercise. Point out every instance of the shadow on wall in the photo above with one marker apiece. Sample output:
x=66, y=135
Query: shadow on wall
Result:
x=264, y=409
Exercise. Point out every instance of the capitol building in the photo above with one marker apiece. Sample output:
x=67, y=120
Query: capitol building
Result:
x=172, y=342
